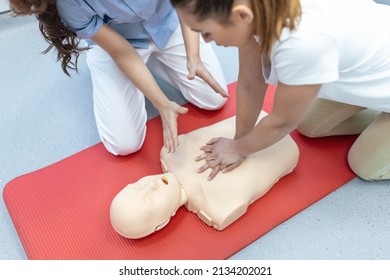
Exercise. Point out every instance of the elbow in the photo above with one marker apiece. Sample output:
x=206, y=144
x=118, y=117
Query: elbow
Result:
x=283, y=126
x=286, y=128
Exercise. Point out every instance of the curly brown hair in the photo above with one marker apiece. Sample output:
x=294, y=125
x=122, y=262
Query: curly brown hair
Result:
x=53, y=30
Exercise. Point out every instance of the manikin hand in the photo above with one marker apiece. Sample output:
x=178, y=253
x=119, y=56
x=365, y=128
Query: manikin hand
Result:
x=196, y=68
x=220, y=154
x=169, y=116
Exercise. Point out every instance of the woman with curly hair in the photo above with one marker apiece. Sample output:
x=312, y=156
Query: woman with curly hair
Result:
x=122, y=35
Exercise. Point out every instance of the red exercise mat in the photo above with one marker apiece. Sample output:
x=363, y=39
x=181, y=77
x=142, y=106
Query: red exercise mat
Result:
x=62, y=211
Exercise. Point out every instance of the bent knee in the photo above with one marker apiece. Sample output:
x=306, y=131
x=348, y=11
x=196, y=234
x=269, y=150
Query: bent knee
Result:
x=123, y=146
x=218, y=104
x=123, y=149
x=212, y=103
x=368, y=170
x=202, y=96
x=307, y=131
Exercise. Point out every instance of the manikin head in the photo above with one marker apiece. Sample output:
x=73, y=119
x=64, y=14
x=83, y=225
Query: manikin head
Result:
x=147, y=205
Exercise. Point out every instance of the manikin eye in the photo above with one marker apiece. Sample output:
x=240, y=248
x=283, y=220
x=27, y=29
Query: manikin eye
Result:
x=165, y=180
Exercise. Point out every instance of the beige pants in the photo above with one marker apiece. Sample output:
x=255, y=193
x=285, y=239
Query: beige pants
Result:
x=369, y=156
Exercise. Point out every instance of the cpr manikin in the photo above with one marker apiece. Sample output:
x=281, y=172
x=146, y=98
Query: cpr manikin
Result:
x=147, y=205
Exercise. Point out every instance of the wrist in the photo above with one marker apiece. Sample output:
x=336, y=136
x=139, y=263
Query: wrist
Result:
x=239, y=146
x=161, y=103
x=192, y=59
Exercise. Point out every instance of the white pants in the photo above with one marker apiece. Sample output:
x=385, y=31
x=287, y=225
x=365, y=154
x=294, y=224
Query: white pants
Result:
x=369, y=156
x=119, y=106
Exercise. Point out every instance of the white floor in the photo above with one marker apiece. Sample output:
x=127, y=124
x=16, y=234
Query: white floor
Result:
x=46, y=116
x=4, y=6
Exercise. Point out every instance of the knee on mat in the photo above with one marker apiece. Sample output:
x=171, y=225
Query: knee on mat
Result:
x=215, y=104
x=124, y=147
x=367, y=170
x=204, y=98
x=306, y=131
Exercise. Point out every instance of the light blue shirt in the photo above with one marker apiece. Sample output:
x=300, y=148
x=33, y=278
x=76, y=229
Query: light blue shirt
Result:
x=139, y=21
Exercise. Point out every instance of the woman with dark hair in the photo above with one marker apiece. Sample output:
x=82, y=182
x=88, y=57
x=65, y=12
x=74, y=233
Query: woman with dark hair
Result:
x=330, y=63
x=121, y=36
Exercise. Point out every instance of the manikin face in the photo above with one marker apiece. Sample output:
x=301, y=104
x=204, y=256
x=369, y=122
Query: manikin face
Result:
x=145, y=206
x=236, y=32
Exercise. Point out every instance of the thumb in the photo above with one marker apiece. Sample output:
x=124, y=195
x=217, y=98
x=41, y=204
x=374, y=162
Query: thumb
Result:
x=182, y=110
x=191, y=73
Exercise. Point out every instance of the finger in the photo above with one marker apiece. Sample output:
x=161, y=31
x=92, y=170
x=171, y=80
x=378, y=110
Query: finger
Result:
x=173, y=137
x=209, y=79
x=231, y=167
x=209, y=157
x=213, y=163
x=191, y=75
x=167, y=144
x=175, y=141
x=167, y=147
x=200, y=157
x=182, y=110
x=203, y=168
x=173, y=147
x=213, y=141
x=213, y=173
x=206, y=148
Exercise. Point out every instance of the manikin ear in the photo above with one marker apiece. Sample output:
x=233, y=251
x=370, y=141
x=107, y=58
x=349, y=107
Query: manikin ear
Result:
x=162, y=225
x=242, y=13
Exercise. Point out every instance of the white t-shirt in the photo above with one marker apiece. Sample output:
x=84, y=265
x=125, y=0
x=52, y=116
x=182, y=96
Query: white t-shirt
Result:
x=343, y=45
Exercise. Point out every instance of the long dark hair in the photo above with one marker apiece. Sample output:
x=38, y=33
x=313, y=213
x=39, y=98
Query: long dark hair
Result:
x=204, y=8
x=271, y=16
x=53, y=30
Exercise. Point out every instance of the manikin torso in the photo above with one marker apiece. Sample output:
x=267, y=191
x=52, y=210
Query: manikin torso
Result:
x=224, y=199
x=147, y=205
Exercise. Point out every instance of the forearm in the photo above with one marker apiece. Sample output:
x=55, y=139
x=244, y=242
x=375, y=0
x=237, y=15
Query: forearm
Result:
x=248, y=106
x=266, y=133
x=131, y=64
x=290, y=105
x=191, y=41
x=251, y=89
x=138, y=73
